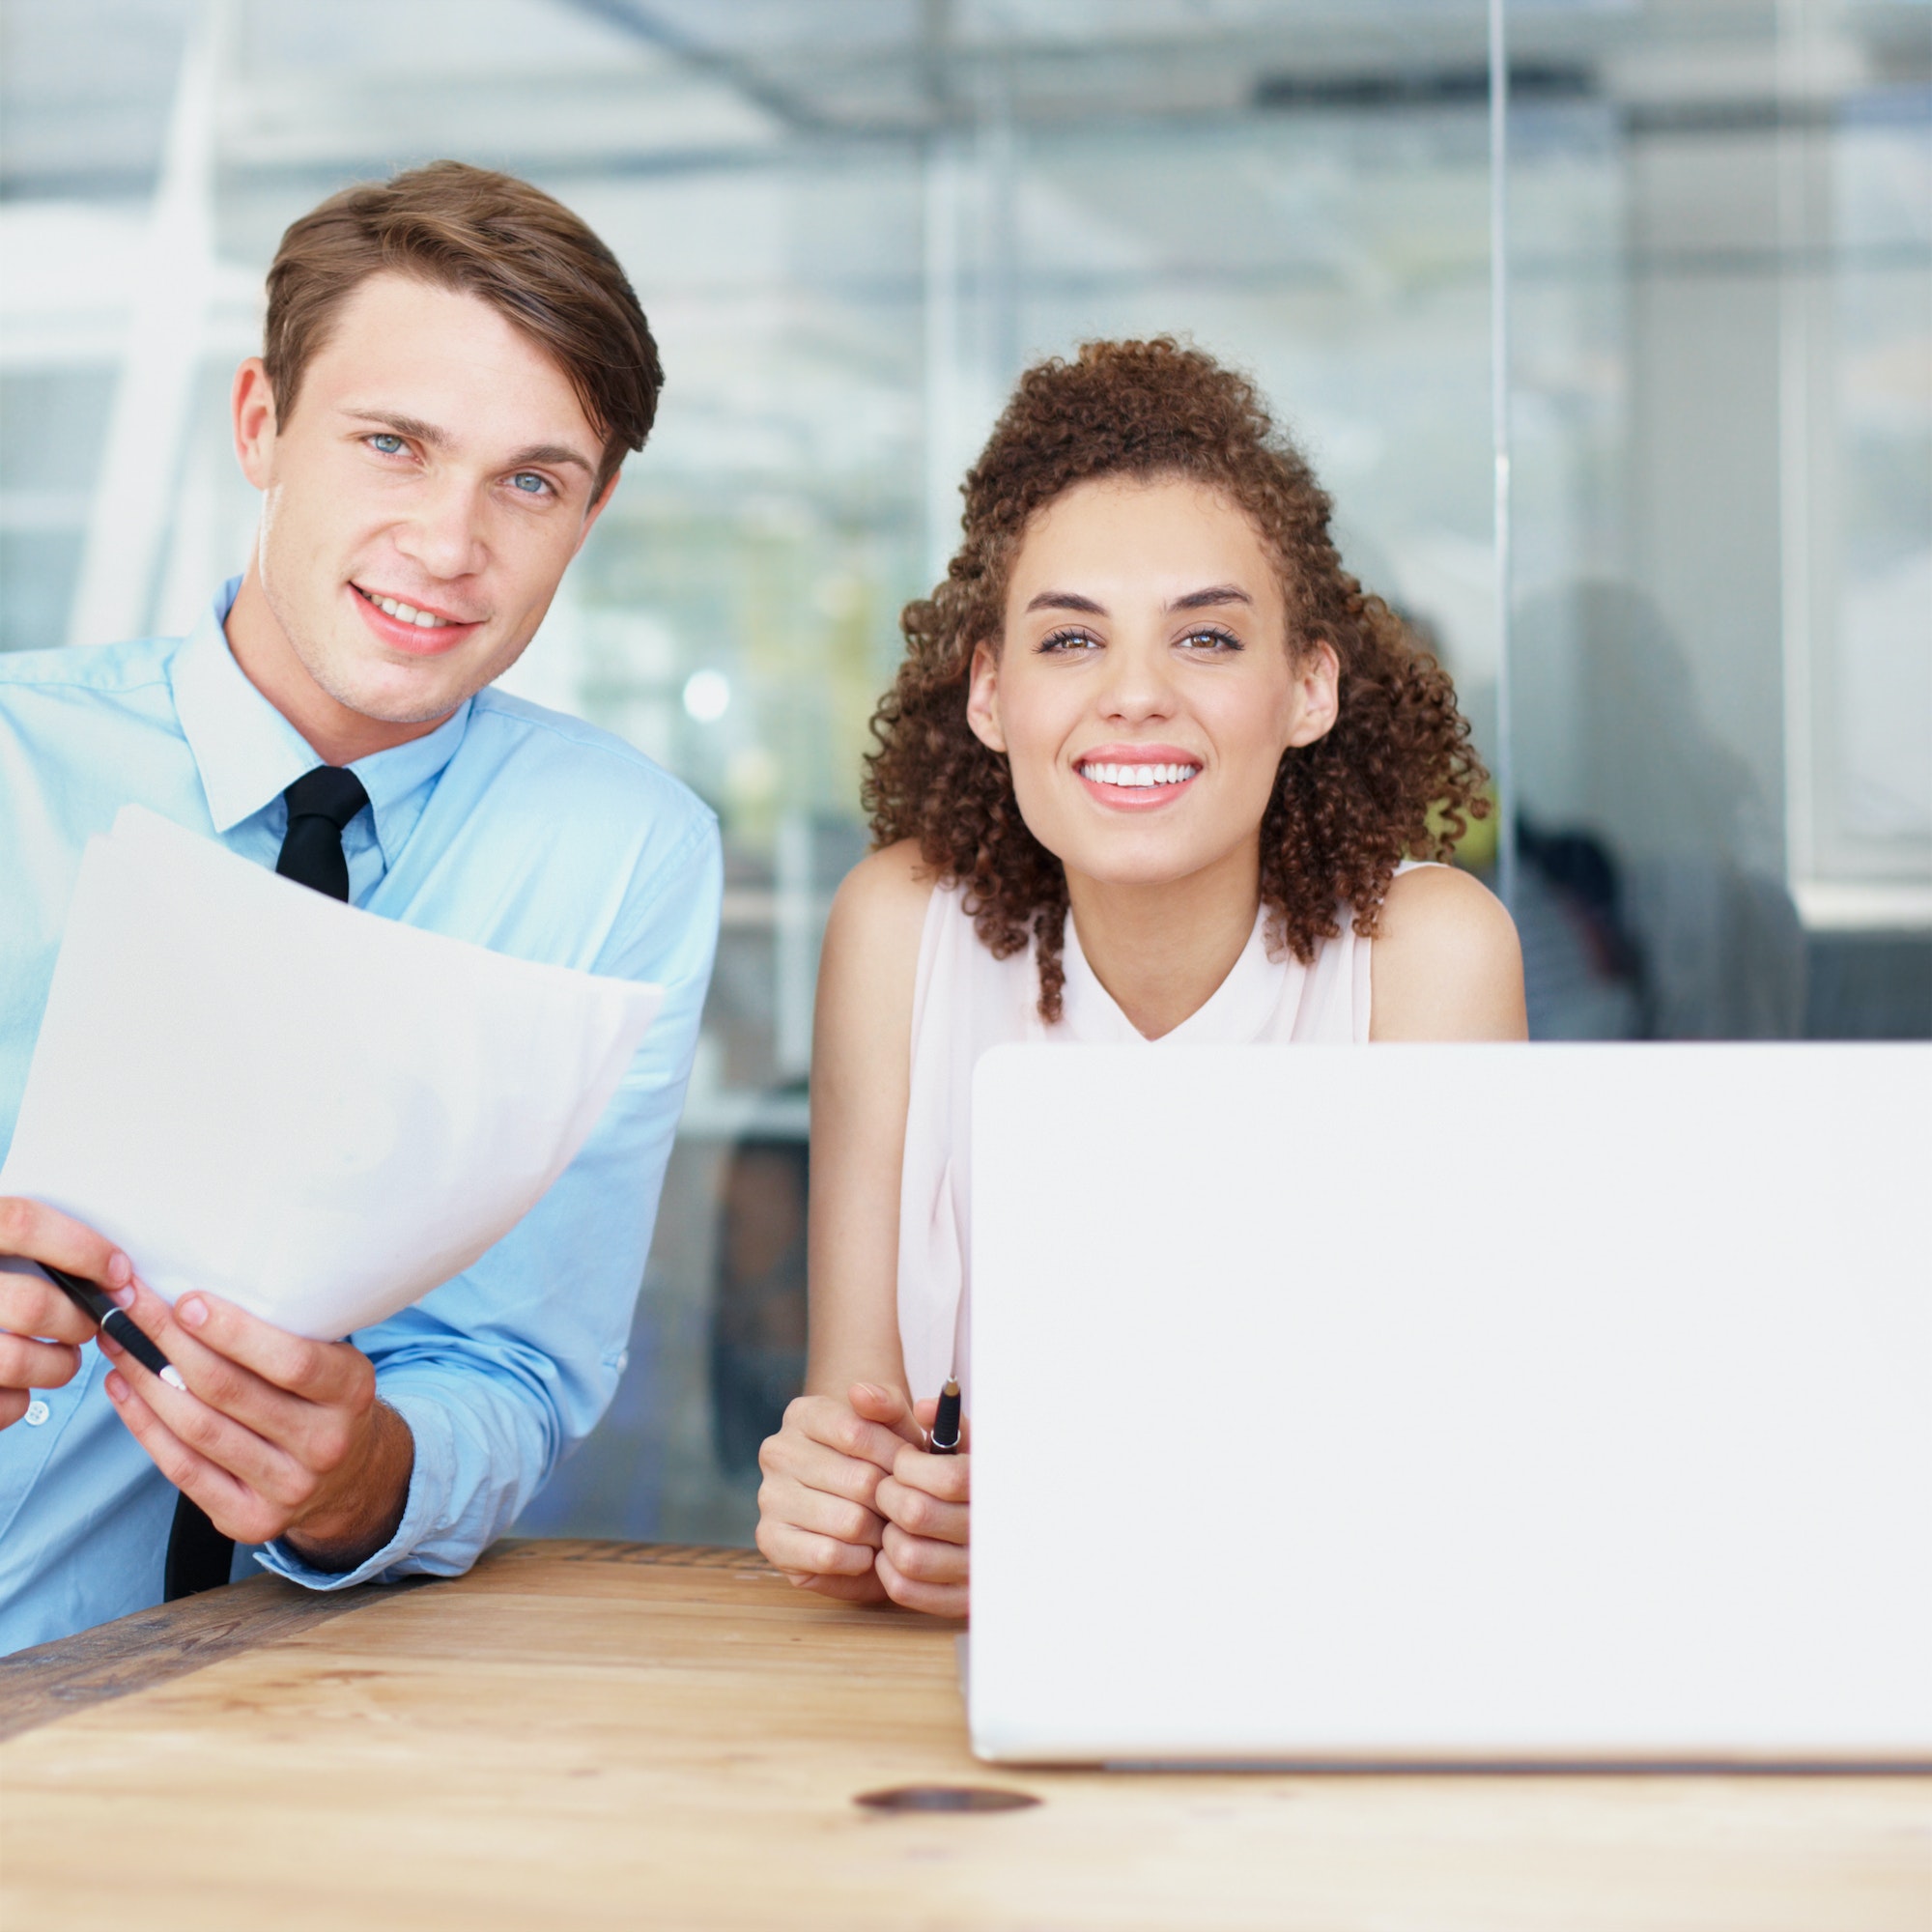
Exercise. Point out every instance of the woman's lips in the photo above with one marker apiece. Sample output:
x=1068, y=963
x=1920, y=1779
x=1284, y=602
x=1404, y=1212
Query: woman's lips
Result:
x=401, y=634
x=1143, y=781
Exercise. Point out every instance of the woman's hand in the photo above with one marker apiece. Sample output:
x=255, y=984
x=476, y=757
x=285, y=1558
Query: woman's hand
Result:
x=923, y=1559
x=818, y=1515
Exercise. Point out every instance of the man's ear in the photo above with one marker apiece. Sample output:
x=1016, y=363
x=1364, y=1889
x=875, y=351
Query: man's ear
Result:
x=1319, y=686
x=599, y=505
x=252, y=409
x=983, y=712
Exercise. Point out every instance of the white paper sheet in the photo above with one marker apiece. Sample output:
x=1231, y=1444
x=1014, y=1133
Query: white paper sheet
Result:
x=317, y=1113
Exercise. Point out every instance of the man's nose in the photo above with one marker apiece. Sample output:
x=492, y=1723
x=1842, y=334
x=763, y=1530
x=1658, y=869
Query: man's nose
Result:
x=445, y=533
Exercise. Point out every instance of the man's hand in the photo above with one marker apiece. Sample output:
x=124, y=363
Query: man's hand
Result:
x=924, y=1558
x=817, y=1517
x=275, y=1435
x=41, y=1330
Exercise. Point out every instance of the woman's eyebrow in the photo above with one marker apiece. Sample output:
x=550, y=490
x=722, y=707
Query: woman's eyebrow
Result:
x=1066, y=600
x=1219, y=593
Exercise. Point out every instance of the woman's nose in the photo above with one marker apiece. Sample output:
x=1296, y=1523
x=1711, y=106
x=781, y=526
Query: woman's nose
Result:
x=1137, y=685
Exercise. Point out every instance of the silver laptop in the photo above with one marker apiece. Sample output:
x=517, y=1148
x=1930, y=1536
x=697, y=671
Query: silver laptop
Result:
x=1452, y=1404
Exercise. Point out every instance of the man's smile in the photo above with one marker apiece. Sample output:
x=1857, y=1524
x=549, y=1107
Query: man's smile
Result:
x=414, y=628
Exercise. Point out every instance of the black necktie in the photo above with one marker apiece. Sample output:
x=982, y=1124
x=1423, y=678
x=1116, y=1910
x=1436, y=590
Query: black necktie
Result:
x=321, y=804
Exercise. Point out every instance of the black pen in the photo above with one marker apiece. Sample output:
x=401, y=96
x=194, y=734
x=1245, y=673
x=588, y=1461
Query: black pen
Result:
x=945, y=1421
x=114, y=1323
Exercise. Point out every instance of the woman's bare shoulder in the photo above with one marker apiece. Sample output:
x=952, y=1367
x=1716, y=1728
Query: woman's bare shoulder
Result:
x=883, y=897
x=872, y=937
x=1441, y=902
x=1446, y=964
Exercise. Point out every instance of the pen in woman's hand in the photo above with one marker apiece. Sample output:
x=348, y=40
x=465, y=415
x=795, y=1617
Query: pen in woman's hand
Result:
x=945, y=1440
x=114, y=1323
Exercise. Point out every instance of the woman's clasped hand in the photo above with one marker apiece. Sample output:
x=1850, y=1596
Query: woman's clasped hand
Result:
x=855, y=1506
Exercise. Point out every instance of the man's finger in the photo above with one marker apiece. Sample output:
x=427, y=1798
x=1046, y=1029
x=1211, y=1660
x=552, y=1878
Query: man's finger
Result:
x=315, y=1371
x=35, y=1232
x=228, y=1503
x=28, y=1364
x=213, y=1436
x=30, y=1305
x=211, y=1377
x=314, y=1431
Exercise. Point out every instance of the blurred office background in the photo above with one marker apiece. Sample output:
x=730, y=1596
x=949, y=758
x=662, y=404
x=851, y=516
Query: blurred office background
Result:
x=852, y=221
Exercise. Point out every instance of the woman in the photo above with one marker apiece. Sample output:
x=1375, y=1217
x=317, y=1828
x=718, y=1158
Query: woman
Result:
x=1152, y=770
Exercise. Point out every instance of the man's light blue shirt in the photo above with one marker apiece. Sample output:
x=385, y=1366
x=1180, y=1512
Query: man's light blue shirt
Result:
x=513, y=827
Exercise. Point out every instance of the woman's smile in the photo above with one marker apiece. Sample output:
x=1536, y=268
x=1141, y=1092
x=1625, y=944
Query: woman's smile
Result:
x=1136, y=778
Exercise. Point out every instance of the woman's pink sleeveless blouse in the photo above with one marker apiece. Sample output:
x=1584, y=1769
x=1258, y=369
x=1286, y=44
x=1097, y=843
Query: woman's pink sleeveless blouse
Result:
x=965, y=1001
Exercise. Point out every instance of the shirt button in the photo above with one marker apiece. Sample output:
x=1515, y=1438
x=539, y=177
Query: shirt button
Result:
x=37, y=1413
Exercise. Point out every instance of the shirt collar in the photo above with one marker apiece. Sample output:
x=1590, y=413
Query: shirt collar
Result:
x=249, y=753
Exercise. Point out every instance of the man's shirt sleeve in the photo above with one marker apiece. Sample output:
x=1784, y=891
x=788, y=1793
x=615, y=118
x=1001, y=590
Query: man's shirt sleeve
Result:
x=503, y=1369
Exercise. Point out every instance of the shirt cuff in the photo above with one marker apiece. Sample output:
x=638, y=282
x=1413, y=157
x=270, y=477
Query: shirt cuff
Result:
x=431, y=1474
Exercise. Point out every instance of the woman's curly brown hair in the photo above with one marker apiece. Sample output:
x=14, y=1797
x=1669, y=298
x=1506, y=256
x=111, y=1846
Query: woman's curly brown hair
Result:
x=1345, y=809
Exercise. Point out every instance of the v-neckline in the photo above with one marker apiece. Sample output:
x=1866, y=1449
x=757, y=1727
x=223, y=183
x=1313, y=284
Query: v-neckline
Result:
x=1233, y=1015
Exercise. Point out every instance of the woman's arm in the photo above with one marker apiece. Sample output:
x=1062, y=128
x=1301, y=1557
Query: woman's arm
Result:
x=861, y=1087
x=819, y=1519
x=1446, y=964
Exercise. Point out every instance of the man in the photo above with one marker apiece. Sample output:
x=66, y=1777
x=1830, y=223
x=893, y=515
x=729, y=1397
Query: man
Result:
x=453, y=369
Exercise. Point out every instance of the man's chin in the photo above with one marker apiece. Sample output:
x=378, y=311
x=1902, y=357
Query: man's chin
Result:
x=402, y=701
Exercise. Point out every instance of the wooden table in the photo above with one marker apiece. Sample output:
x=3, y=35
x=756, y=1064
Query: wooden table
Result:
x=582, y=1734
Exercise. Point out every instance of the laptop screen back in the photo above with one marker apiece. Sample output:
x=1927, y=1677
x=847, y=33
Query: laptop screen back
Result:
x=1452, y=1403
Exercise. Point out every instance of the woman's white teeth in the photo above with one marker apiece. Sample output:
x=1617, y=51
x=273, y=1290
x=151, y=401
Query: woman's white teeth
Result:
x=407, y=614
x=1139, y=775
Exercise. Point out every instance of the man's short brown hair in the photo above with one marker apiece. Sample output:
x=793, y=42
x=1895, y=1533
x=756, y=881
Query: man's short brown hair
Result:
x=479, y=234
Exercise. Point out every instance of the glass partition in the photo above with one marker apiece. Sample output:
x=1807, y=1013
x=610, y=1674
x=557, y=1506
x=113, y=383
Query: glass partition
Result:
x=1721, y=292
x=851, y=226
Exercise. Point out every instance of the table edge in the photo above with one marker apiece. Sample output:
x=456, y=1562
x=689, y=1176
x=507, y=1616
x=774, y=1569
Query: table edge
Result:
x=154, y=1646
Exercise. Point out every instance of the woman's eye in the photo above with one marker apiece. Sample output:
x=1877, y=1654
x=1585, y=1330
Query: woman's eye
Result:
x=1211, y=641
x=1068, y=641
x=529, y=483
x=386, y=445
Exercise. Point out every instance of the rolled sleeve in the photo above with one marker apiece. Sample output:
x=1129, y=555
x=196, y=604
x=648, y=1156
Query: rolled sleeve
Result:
x=436, y=1476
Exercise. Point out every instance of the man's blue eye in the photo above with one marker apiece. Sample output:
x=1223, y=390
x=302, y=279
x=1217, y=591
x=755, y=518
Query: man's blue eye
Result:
x=528, y=482
x=386, y=444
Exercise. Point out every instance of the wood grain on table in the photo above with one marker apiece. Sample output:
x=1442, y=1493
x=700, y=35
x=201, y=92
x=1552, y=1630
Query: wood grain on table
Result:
x=588, y=1735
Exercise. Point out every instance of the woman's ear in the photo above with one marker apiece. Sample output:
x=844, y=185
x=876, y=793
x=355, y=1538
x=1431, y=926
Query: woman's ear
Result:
x=982, y=710
x=1318, y=688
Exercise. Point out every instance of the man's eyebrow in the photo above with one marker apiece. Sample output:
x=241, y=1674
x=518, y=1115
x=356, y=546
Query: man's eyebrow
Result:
x=1066, y=600
x=413, y=427
x=1205, y=600
x=552, y=454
